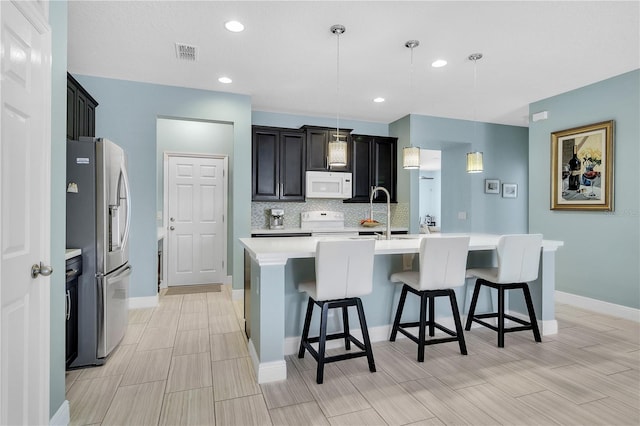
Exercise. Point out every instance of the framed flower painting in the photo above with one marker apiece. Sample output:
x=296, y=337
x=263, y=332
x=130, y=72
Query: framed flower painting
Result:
x=582, y=168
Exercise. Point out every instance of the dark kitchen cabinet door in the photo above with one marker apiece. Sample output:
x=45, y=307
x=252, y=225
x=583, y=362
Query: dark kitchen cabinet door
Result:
x=383, y=170
x=73, y=271
x=278, y=164
x=266, y=164
x=318, y=139
x=374, y=160
x=72, y=91
x=292, y=166
x=361, y=168
x=81, y=110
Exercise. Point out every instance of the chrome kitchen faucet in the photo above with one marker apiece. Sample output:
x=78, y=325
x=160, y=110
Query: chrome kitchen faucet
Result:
x=373, y=194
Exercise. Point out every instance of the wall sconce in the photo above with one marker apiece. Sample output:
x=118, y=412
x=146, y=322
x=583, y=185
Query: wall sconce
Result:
x=411, y=158
x=337, y=152
x=474, y=162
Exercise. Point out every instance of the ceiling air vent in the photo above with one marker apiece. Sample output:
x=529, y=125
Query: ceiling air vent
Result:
x=186, y=52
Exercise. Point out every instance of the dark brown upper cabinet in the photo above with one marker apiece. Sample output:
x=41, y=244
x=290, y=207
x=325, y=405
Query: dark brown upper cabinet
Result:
x=278, y=164
x=81, y=110
x=318, y=139
x=373, y=163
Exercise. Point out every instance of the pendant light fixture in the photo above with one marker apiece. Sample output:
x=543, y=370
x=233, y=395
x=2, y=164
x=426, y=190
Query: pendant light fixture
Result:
x=474, y=159
x=337, y=148
x=411, y=154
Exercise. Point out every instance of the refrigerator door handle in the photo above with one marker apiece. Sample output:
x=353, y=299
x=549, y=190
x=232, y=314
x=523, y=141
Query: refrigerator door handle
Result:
x=123, y=273
x=125, y=178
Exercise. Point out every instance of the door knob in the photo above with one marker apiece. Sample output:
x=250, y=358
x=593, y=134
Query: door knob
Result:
x=172, y=219
x=40, y=269
x=172, y=228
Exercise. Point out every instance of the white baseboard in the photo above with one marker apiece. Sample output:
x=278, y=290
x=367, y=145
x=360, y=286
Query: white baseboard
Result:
x=143, y=302
x=237, y=294
x=228, y=279
x=267, y=372
x=598, y=306
x=62, y=417
x=548, y=327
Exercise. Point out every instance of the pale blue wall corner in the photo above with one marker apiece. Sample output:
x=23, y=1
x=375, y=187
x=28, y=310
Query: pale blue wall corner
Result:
x=505, y=158
x=599, y=259
x=58, y=23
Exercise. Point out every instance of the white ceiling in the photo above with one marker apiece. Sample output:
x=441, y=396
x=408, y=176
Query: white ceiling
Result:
x=286, y=57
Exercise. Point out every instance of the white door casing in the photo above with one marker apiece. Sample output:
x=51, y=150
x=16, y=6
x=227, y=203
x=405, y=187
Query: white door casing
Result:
x=195, y=200
x=25, y=144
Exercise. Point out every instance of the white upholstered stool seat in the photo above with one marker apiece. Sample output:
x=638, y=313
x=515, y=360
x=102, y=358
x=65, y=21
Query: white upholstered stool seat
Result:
x=443, y=262
x=344, y=272
x=518, y=264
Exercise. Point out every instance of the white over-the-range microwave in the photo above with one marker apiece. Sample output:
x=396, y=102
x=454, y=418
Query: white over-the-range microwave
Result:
x=328, y=185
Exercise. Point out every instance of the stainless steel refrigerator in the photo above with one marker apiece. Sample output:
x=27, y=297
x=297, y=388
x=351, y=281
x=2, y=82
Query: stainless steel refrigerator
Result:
x=98, y=222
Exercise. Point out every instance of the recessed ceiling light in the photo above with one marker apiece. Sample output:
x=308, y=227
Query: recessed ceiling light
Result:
x=439, y=63
x=234, y=26
x=378, y=100
x=225, y=80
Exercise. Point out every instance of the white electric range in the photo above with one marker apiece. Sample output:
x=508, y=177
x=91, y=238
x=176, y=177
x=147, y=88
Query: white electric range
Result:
x=323, y=222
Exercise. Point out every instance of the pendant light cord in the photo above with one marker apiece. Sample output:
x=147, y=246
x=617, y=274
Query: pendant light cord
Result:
x=411, y=83
x=474, y=57
x=475, y=99
x=338, y=86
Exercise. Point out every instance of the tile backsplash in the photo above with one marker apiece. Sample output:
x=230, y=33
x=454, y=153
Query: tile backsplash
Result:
x=353, y=212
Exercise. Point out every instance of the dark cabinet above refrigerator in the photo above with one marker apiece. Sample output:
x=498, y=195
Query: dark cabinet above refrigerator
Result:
x=81, y=110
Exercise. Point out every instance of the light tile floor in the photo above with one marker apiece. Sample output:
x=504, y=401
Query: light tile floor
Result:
x=186, y=363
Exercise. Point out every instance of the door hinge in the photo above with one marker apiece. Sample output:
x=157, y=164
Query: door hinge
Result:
x=222, y=218
x=223, y=264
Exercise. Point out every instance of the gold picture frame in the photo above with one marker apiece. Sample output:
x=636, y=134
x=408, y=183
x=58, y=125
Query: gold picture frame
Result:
x=582, y=168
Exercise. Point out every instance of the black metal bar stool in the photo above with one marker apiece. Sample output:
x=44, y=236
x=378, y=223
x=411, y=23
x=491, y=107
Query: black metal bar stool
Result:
x=443, y=261
x=344, y=272
x=518, y=264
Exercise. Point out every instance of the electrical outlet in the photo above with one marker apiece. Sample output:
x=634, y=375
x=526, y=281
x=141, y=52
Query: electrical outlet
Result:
x=462, y=215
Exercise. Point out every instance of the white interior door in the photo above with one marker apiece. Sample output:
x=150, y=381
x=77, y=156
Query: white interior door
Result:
x=196, y=228
x=25, y=99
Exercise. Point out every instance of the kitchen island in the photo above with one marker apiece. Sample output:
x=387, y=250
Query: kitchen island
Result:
x=277, y=265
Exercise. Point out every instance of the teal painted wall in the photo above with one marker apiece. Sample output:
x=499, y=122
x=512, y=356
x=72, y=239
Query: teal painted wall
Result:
x=127, y=114
x=600, y=257
x=505, y=158
x=194, y=136
x=58, y=23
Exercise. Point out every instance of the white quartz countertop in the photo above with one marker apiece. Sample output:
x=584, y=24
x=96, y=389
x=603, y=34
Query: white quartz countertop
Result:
x=355, y=229
x=276, y=250
x=70, y=253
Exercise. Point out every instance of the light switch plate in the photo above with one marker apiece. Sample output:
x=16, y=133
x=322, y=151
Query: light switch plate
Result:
x=462, y=215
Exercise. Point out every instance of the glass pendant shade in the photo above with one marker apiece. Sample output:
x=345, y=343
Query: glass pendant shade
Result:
x=337, y=153
x=474, y=162
x=411, y=158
